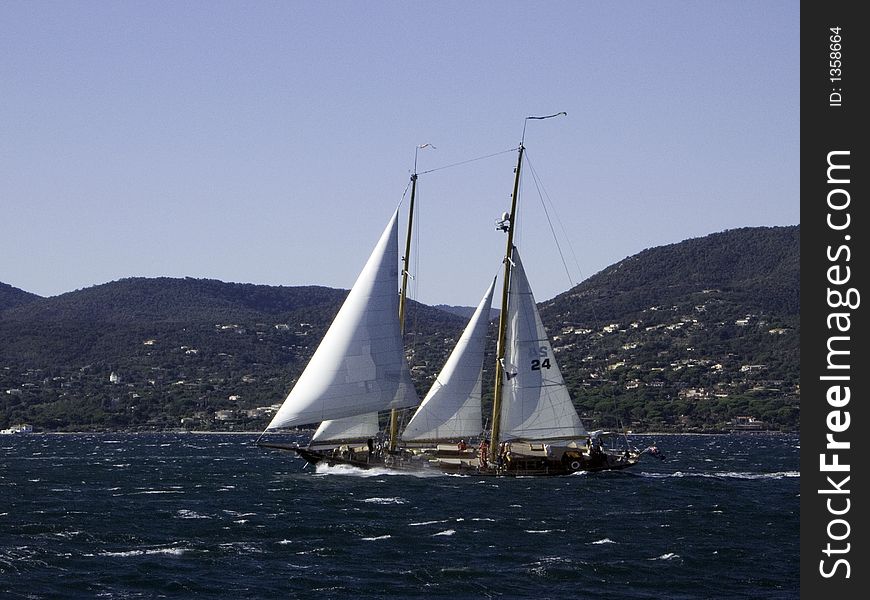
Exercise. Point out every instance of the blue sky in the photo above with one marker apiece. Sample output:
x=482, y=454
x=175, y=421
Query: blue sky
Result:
x=269, y=142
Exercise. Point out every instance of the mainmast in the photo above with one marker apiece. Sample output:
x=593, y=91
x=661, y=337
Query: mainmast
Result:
x=508, y=225
x=406, y=258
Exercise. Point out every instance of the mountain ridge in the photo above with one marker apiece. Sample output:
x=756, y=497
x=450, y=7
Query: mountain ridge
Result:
x=682, y=336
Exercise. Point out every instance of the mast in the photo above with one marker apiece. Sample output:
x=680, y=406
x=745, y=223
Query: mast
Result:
x=407, y=257
x=508, y=226
x=394, y=413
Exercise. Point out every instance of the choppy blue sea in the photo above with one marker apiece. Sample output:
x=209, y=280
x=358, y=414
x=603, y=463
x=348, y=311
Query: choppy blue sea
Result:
x=212, y=516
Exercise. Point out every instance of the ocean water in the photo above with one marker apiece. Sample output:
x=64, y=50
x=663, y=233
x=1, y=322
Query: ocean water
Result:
x=212, y=516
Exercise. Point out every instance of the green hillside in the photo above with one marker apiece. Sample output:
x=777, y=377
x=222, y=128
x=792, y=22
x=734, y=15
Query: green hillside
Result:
x=681, y=337
x=688, y=335
x=10, y=296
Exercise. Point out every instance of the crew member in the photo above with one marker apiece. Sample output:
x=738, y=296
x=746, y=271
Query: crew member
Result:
x=483, y=454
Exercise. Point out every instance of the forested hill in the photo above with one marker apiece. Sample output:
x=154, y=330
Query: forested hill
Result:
x=688, y=334
x=681, y=337
x=11, y=296
x=758, y=267
x=146, y=325
x=162, y=300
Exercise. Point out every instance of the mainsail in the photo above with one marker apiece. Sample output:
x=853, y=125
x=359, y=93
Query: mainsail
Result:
x=536, y=405
x=360, y=365
x=451, y=409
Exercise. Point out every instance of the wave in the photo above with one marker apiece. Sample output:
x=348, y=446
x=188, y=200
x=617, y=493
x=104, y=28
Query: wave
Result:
x=11, y=559
x=385, y=501
x=68, y=534
x=604, y=541
x=544, y=530
x=190, y=514
x=725, y=475
x=666, y=556
x=242, y=547
x=548, y=565
x=351, y=471
x=374, y=539
x=426, y=523
x=446, y=532
x=170, y=551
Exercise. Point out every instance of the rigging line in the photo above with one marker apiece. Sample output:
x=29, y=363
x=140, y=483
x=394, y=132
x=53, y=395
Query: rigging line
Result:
x=541, y=193
x=567, y=238
x=465, y=162
x=564, y=232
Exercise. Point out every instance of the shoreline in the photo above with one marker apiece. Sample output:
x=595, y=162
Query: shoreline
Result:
x=249, y=433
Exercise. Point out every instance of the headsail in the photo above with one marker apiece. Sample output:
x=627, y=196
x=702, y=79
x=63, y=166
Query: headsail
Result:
x=537, y=405
x=360, y=365
x=451, y=409
x=347, y=429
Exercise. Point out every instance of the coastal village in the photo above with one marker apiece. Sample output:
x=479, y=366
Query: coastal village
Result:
x=234, y=400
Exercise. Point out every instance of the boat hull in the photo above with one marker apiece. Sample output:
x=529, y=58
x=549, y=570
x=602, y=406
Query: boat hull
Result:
x=465, y=465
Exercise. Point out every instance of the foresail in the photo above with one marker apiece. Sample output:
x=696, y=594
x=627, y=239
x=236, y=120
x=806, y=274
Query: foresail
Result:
x=536, y=403
x=347, y=429
x=360, y=365
x=451, y=409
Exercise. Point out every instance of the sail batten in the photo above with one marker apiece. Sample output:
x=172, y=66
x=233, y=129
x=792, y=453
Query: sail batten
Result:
x=360, y=365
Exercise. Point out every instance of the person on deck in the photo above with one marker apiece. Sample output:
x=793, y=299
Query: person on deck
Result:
x=483, y=454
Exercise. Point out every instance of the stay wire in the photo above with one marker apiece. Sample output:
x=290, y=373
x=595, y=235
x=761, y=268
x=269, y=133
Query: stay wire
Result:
x=465, y=162
x=544, y=197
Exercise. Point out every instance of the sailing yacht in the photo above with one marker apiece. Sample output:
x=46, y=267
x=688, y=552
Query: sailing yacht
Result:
x=360, y=369
x=535, y=428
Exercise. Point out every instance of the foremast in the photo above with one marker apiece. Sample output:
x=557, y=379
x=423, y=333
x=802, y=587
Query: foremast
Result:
x=394, y=413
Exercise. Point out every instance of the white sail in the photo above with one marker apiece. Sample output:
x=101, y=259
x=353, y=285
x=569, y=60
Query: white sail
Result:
x=360, y=365
x=347, y=429
x=536, y=403
x=451, y=409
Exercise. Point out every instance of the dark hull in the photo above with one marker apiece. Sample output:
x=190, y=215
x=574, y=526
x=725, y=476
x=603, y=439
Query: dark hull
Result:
x=519, y=467
x=331, y=459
